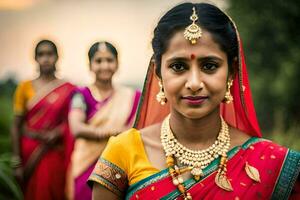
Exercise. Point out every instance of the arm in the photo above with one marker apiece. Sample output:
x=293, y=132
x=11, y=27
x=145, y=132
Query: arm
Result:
x=78, y=126
x=16, y=132
x=101, y=193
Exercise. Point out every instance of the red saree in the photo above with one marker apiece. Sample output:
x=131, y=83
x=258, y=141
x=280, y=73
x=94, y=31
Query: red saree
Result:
x=275, y=182
x=47, y=111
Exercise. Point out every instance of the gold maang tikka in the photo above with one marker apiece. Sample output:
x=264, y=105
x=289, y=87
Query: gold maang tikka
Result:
x=193, y=31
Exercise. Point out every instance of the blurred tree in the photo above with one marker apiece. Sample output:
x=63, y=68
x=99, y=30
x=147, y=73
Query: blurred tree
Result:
x=271, y=37
x=8, y=186
x=6, y=96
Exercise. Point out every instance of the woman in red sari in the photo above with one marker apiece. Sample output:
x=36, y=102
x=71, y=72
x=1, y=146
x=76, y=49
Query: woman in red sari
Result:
x=42, y=143
x=203, y=141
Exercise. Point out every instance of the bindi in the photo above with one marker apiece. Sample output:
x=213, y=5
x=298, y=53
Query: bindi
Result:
x=193, y=56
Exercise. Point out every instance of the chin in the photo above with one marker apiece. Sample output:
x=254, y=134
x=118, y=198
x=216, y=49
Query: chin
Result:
x=195, y=113
x=104, y=78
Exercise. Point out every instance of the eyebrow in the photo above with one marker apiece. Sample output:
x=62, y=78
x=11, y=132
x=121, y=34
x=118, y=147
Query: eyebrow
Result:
x=201, y=59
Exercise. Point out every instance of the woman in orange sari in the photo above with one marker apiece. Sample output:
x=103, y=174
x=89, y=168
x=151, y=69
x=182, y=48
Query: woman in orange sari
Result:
x=42, y=143
x=203, y=141
x=97, y=112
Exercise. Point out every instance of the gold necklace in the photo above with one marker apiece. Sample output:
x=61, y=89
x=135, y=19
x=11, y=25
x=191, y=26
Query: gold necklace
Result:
x=196, y=159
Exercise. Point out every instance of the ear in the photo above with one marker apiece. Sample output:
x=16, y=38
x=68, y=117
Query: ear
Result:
x=155, y=70
x=235, y=67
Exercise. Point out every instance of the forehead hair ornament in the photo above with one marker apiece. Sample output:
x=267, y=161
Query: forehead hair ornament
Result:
x=102, y=47
x=193, y=31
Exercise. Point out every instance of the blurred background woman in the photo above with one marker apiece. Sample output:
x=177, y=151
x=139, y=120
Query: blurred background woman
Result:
x=41, y=141
x=98, y=111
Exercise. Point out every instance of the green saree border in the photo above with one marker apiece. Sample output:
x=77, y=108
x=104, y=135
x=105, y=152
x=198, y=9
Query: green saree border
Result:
x=145, y=182
x=190, y=182
x=288, y=176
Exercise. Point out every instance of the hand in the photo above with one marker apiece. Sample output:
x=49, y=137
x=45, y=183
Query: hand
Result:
x=18, y=174
x=52, y=137
x=106, y=133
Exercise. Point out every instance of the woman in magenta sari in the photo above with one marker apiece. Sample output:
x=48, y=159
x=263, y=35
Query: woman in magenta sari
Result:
x=98, y=111
x=42, y=143
x=203, y=141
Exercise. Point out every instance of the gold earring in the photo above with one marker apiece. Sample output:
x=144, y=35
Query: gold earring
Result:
x=228, y=97
x=161, y=97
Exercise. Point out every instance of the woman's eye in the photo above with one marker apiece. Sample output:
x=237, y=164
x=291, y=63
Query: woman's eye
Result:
x=178, y=67
x=210, y=66
x=98, y=61
x=110, y=60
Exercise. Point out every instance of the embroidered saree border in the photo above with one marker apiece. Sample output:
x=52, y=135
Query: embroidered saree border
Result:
x=288, y=175
x=110, y=176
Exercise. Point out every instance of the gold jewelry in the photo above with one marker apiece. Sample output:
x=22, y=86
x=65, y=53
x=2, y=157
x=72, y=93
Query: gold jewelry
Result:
x=177, y=179
x=161, y=97
x=228, y=97
x=193, y=31
x=102, y=47
x=197, y=160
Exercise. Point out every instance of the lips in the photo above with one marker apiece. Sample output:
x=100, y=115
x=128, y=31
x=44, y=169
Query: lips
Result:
x=194, y=100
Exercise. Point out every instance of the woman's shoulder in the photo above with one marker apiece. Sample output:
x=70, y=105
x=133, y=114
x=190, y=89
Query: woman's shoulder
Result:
x=120, y=148
x=263, y=146
x=260, y=144
x=121, y=143
x=66, y=83
x=126, y=88
x=125, y=138
x=25, y=83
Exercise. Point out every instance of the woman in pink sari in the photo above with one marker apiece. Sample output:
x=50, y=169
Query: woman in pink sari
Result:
x=201, y=139
x=98, y=111
x=42, y=143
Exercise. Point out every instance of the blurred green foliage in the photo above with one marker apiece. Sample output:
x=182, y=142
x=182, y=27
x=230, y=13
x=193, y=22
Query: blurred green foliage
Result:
x=6, y=113
x=271, y=36
x=8, y=187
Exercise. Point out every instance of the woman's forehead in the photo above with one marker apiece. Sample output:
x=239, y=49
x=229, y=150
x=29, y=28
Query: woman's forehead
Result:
x=45, y=47
x=103, y=54
x=181, y=47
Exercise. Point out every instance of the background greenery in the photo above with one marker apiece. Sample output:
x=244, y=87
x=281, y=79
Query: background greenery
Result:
x=271, y=37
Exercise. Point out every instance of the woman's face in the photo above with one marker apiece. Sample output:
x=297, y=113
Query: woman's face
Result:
x=104, y=64
x=194, y=76
x=46, y=58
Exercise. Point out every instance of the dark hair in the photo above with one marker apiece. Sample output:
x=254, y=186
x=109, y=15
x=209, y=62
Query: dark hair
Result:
x=48, y=42
x=210, y=18
x=95, y=47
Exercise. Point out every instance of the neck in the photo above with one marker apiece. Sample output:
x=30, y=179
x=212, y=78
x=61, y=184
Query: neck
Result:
x=104, y=85
x=105, y=88
x=47, y=77
x=196, y=132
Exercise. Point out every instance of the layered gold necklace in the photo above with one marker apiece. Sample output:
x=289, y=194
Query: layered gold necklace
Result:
x=195, y=160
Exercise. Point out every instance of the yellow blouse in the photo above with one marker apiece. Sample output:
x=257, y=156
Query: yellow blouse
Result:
x=127, y=152
x=23, y=94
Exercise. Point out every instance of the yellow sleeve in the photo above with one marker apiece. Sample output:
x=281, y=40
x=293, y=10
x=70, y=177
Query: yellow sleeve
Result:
x=112, y=166
x=19, y=100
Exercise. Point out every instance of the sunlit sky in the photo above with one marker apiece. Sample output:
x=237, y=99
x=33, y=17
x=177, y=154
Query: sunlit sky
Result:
x=74, y=25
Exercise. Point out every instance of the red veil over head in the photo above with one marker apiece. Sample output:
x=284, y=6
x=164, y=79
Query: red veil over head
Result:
x=239, y=114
